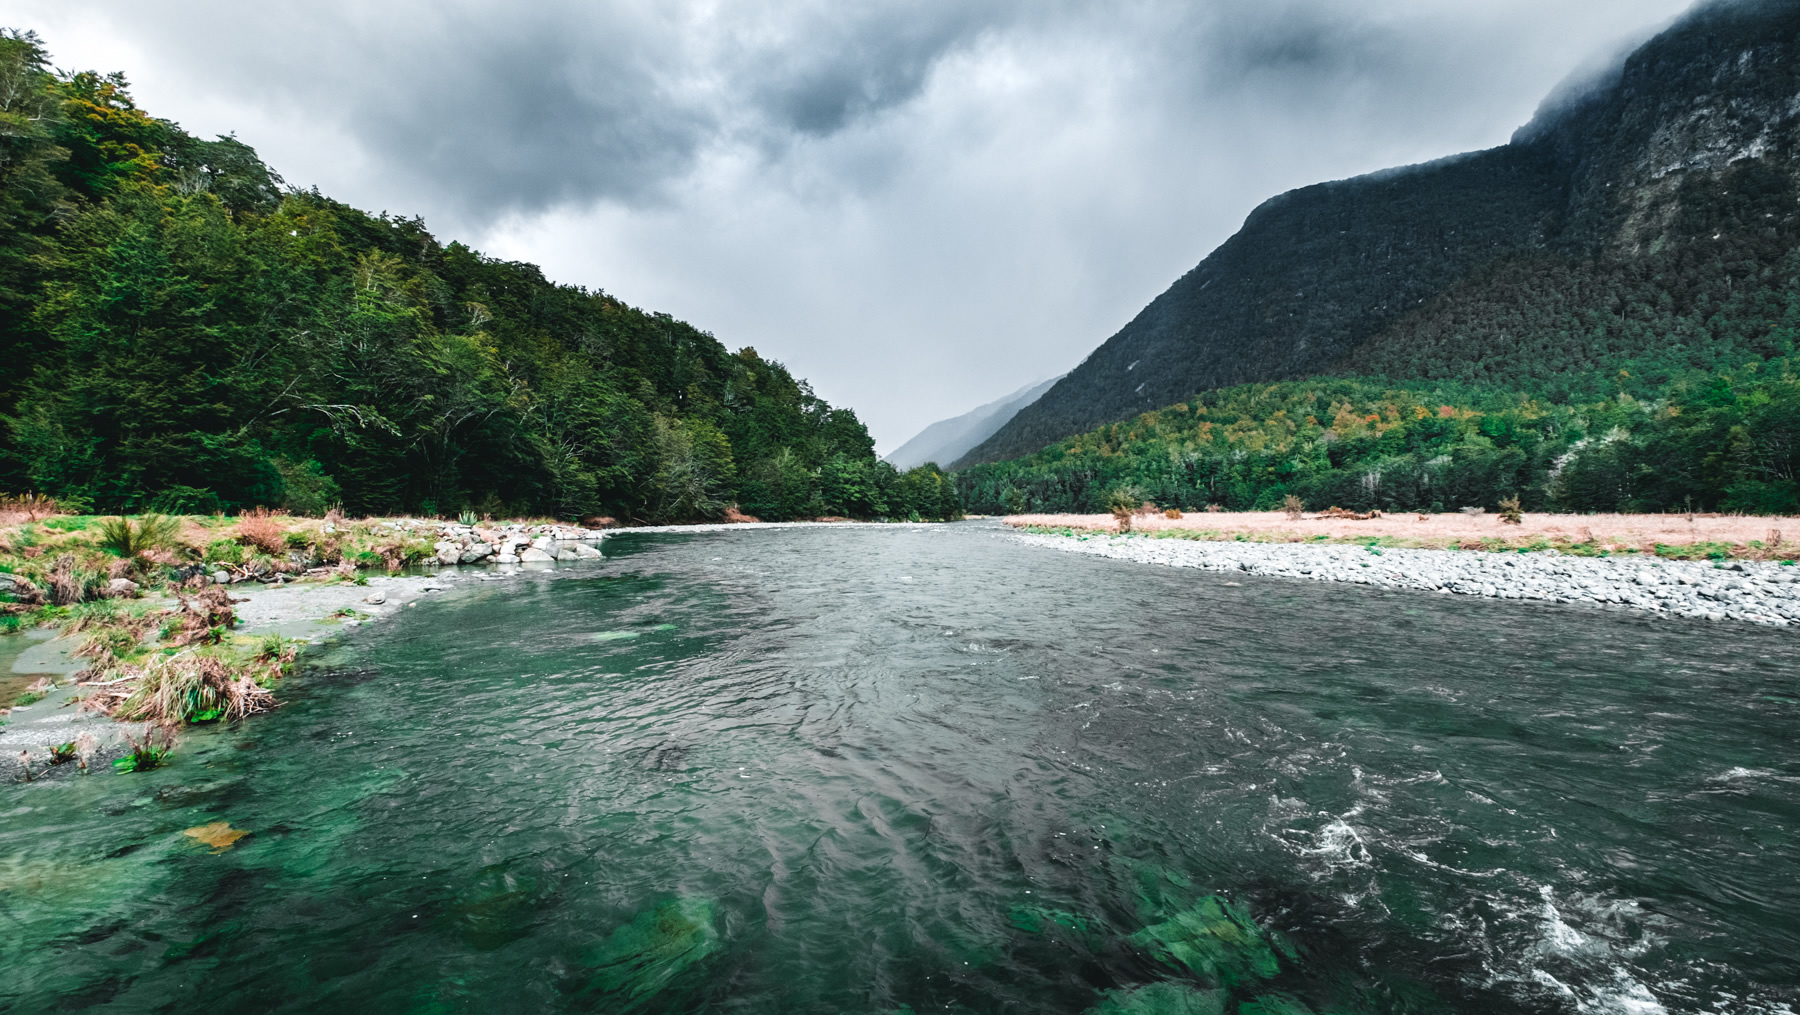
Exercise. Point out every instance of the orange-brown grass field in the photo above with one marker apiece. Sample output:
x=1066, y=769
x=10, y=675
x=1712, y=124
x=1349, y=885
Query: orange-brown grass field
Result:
x=1673, y=535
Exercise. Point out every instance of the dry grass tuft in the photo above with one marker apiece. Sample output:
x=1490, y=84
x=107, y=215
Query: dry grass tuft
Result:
x=261, y=530
x=191, y=688
x=65, y=586
x=203, y=619
x=1349, y=516
x=17, y=509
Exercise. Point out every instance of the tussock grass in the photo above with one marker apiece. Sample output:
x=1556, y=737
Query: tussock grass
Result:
x=190, y=687
x=127, y=539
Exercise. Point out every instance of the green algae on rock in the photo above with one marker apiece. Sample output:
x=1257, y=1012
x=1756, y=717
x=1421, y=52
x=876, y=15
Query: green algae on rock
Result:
x=1218, y=940
x=640, y=958
x=1162, y=999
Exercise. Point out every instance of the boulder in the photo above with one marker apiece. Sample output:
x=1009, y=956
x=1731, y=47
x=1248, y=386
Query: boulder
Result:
x=375, y=598
x=122, y=587
x=449, y=555
x=506, y=558
x=220, y=577
x=475, y=552
x=534, y=555
x=586, y=552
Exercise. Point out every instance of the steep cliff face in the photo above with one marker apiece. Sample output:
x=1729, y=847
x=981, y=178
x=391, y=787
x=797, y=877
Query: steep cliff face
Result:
x=1693, y=140
x=1718, y=89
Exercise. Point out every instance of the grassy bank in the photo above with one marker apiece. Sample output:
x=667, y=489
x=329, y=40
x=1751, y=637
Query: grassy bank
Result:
x=148, y=602
x=1674, y=536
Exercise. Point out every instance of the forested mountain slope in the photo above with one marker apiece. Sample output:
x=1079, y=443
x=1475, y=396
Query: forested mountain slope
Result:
x=180, y=332
x=1646, y=225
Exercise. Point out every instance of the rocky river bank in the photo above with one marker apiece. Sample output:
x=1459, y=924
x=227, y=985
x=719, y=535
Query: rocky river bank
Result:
x=1747, y=591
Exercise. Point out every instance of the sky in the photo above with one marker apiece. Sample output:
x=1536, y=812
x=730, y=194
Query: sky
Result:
x=918, y=206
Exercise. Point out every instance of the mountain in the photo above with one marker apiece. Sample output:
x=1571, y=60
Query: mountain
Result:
x=1648, y=220
x=949, y=439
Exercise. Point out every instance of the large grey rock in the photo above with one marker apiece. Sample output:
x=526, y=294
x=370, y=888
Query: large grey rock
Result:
x=586, y=552
x=534, y=555
x=449, y=555
x=375, y=598
x=122, y=587
x=475, y=552
x=220, y=578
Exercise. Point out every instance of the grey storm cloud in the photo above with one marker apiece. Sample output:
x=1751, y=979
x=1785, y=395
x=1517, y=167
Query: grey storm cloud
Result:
x=920, y=206
x=501, y=108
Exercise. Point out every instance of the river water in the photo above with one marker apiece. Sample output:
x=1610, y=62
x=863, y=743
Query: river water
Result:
x=910, y=769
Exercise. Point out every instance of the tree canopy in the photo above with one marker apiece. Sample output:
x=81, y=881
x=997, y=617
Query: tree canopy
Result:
x=181, y=331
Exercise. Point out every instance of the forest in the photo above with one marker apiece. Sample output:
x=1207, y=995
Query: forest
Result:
x=1731, y=443
x=182, y=332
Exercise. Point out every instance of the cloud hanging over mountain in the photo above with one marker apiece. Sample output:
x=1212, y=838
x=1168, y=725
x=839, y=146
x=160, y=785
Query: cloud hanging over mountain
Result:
x=918, y=205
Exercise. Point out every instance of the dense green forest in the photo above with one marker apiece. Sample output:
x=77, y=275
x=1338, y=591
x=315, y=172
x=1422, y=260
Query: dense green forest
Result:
x=1731, y=443
x=179, y=331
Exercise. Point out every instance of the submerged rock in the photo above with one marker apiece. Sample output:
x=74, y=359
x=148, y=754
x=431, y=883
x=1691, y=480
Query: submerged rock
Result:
x=1218, y=940
x=640, y=958
x=1162, y=999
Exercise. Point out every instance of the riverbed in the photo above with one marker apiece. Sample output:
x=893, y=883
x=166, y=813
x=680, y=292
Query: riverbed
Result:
x=882, y=769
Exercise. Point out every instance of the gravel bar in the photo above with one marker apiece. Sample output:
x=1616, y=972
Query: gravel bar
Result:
x=1748, y=591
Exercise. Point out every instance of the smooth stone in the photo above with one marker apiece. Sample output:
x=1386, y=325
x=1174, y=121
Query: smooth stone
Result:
x=507, y=558
x=121, y=586
x=586, y=552
x=449, y=555
x=375, y=598
x=220, y=578
x=536, y=556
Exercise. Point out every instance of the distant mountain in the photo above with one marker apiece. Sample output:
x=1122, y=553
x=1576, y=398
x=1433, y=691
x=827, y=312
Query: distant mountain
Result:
x=949, y=439
x=1648, y=220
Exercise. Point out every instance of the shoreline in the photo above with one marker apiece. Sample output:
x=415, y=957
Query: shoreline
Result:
x=302, y=613
x=1757, y=592
x=1672, y=537
x=305, y=611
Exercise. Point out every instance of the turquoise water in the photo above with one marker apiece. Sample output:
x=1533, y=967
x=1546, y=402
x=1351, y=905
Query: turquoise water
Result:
x=930, y=769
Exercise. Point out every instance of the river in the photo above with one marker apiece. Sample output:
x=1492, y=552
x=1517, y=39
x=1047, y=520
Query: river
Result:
x=928, y=768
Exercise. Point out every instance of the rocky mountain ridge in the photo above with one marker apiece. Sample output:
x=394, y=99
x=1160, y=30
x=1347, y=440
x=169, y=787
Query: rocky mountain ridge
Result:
x=1691, y=141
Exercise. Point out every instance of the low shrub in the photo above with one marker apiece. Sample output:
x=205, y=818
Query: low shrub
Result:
x=1511, y=513
x=225, y=551
x=147, y=753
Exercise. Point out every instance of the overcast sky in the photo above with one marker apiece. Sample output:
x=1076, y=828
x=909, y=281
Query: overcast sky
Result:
x=918, y=206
